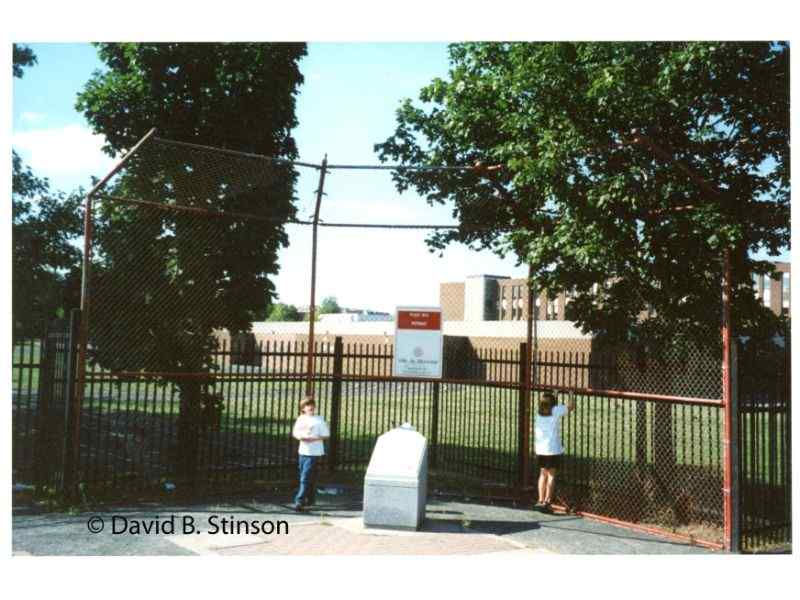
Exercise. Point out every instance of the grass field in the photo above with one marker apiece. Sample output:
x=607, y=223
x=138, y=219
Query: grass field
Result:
x=477, y=432
x=129, y=434
x=470, y=417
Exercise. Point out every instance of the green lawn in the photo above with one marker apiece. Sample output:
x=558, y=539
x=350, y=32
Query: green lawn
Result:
x=477, y=425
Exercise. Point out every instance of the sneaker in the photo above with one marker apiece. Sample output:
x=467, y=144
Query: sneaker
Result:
x=297, y=507
x=546, y=509
x=539, y=506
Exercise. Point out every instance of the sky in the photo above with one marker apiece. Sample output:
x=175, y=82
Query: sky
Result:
x=346, y=105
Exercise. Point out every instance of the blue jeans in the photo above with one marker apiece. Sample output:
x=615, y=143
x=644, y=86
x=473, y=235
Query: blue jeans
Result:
x=307, y=466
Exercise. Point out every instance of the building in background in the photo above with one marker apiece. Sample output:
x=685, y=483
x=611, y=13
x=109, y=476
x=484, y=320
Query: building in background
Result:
x=497, y=298
x=348, y=314
x=775, y=292
x=487, y=312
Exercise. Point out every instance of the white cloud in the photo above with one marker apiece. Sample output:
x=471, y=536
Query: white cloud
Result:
x=70, y=153
x=32, y=118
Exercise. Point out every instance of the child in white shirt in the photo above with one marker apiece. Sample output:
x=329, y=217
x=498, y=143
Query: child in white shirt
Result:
x=310, y=430
x=547, y=435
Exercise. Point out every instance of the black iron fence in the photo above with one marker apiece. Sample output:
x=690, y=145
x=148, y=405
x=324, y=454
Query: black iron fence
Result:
x=655, y=461
x=765, y=446
x=26, y=370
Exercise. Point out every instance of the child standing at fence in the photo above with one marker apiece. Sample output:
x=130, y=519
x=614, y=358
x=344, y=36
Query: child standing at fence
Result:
x=310, y=430
x=547, y=435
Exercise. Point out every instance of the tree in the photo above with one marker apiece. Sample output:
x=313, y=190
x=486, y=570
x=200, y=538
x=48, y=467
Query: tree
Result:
x=284, y=312
x=22, y=56
x=329, y=305
x=45, y=225
x=46, y=264
x=628, y=165
x=165, y=280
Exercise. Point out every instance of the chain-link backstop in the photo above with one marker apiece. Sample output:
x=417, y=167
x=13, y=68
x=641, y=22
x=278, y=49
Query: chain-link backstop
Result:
x=180, y=381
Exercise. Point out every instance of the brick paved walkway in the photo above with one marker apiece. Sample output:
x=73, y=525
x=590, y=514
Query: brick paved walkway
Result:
x=335, y=527
x=348, y=537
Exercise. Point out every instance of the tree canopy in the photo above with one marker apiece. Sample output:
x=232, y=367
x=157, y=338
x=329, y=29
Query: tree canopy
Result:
x=627, y=165
x=22, y=56
x=165, y=280
x=169, y=278
x=329, y=305
x=45, y=262
x=281, y=312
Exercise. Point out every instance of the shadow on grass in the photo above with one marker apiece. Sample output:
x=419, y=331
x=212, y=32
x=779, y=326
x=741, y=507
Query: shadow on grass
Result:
x=132, y=455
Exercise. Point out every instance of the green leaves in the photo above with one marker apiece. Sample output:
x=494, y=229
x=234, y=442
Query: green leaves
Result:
x=23, y=56
x=193, y=274
x=46, y=261
x=281, y=312
x=652, y=157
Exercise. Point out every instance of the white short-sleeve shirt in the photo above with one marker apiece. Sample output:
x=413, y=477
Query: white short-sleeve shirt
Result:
x=547, y=432
x=306, y=426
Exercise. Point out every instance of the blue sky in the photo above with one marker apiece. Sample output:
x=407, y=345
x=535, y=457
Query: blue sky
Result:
x=346, y=105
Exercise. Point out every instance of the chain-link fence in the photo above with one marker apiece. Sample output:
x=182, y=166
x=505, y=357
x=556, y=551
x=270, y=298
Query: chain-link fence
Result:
x=184, y=381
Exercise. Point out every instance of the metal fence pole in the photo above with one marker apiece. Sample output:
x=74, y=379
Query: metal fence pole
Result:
x=86, y=274
x=730, y=543
x=787, y=432
x=336, y=402
x=71, y=408
x=735, y=449
x=41, y=452
x=523, y=446
x=531, y=349
x=311, y=309
x=435, y=426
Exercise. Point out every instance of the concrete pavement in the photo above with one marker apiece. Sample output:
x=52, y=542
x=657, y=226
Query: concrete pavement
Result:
x=265, y=525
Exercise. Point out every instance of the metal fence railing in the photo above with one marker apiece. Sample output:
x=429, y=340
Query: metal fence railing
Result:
x=25, y=369
x=650, y=462
x=633, y=458
x=765, y=448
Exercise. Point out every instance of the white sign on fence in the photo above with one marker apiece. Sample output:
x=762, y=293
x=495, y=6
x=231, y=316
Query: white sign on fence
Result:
x=418, y=342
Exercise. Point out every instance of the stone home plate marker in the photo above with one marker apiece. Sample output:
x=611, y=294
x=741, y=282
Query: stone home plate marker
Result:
x=418, y=342
x=396, y=483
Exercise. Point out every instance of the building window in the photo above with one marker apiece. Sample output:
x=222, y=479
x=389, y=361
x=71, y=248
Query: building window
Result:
x=767, y=295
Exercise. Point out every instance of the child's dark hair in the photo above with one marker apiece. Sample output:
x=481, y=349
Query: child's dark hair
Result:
x=546, y=403
x=307, y=401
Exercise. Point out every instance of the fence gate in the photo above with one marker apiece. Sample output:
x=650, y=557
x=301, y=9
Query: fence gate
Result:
x=56, y=388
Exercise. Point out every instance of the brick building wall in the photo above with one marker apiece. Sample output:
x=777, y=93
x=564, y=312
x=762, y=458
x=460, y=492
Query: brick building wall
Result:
x=451, y=299
x=513, y=302
x=774, y=292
